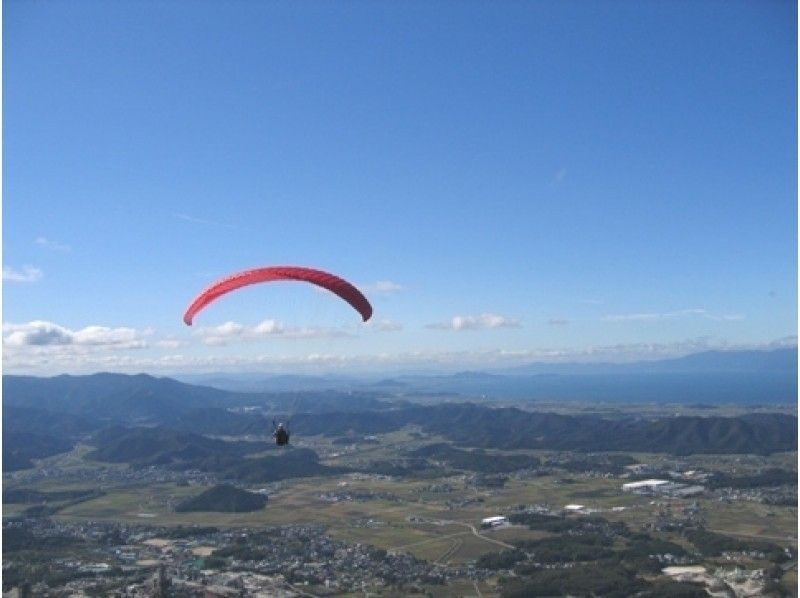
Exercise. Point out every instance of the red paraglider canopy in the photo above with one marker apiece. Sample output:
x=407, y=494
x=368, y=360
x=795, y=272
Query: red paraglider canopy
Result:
x=336, y=285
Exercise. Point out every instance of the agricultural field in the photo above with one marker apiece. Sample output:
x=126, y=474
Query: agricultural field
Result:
x=385, y=523
x=433, y=515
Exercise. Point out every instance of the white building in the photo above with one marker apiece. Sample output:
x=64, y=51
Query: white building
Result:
x=494, y=521
x=644, y=485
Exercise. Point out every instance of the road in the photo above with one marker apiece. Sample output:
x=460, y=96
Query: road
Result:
x=476, y=533
x=469, y=526
x=761, y=536
x=428, y=541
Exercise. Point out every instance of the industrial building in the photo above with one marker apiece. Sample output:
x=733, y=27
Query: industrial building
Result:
x=663, y=487
x=574, y=509
x=645, y=485
x=494, y=521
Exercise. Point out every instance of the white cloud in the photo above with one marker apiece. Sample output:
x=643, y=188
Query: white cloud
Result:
x=102, y=336
x=203, y=221
x=482, y=322
x=170, y=343
x=27, y=274
x=651, y=316
x=557, y=322
x=53, y=245
x=235, y=332
x=782, y=343
x=40, y=334
x=632, y=317
x=36, y=334
x=384, y=287
x=384, y=325
x=61, y=360
x=728, y=317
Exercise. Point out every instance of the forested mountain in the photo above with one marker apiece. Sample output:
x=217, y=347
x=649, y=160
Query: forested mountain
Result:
x=111, y=396
x=20, y=447
x=160, y=446
x=122, y=398
x=158, y=420
x=223, y=498
x=481, y=426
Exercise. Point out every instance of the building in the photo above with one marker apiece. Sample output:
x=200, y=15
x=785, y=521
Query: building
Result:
x=495, y=521
x=687, y=491
x=645, y=485
x=663, y=487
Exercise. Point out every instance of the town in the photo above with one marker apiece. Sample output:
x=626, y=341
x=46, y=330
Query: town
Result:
x=54, y=553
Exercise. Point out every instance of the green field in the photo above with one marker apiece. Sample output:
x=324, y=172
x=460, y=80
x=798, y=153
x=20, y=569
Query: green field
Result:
x=299, y=502
x=445, y=535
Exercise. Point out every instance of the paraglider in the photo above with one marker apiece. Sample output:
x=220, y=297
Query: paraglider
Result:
x=328, y=281
x=280, y=434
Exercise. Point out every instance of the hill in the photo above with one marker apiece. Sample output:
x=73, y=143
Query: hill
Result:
x=283, y=465
x=50, y=423
x=515, y=429
x=162, y=446
x=185, y=450
x=67, y=408
x=223, y=499
x=111, y=396
x=509, y=428
x=19, y=448
x=118, y=398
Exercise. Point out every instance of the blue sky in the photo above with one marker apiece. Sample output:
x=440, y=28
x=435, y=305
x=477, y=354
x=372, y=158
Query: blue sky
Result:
x=568, y=180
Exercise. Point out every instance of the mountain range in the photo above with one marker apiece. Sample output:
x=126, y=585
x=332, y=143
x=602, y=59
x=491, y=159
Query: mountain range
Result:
x=142, y=419
x=745, y=377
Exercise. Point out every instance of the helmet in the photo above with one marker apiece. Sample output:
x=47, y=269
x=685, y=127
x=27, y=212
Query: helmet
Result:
x=280, y=426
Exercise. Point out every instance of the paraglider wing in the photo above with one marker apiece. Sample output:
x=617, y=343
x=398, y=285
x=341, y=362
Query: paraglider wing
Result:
x=328, y=281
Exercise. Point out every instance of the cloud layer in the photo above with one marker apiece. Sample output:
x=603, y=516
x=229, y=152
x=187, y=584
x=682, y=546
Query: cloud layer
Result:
x=53, y=245
x=384, y=325
x=384, y=287
x=42, y=334
x=27, y=274
x=73, y=361
x=231, y=332
x=652, y=316
x=486, y=321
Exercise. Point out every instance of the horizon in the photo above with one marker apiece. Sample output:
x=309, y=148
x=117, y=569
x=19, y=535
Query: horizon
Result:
x=362, y=372
x=540, y=182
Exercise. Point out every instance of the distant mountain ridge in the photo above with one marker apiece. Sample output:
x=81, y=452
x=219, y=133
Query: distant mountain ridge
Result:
x=123, y=397
x=160, y=446
x=107, y=395
x=783, y=359
x=775, y=360
x=45, y=416
x=735, y=376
